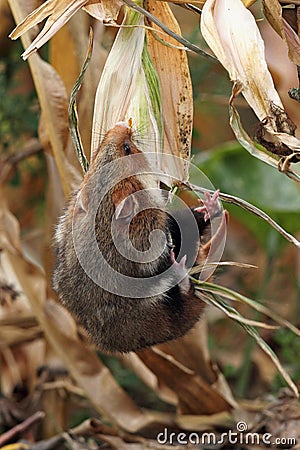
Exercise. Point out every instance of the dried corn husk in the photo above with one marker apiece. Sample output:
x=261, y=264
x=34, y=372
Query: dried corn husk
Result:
x=129, y=88
x=232, y=33
x=132, y=86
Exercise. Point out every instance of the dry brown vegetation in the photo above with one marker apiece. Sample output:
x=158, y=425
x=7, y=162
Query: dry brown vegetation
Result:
x=57, y=390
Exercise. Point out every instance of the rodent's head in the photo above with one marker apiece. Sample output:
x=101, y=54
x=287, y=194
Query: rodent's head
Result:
x=114, y=150
x=118, y=142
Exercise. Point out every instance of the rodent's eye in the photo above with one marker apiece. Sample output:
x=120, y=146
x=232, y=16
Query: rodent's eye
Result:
x=126, y=148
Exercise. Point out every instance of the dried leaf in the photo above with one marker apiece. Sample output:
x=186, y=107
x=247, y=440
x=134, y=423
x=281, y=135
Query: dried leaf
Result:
x=59, y=13
x=281, y=419
x=20, y=362
x=192, y=352
x=241, y=51
x=72, y=113
x=195, y=396
x=177, y=96
x=276, y=134
x=117, y=82
x=145, y=374
x=205, y=422
x=249, y=145
x=34, y=18
x=89, y=373
x=129, y=89
x=53, y=101
x=273, y=12
x=106, y=10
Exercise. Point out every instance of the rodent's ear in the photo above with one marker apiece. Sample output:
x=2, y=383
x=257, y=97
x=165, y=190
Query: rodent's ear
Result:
x=126, y=210
x=82, y=201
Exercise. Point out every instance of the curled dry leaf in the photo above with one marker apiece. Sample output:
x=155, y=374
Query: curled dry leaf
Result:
x=105, y=10
x=60, y=12
x=248, y=144
x=276, y=134
x=273, y=13
x=20, y=362
x=241, y=51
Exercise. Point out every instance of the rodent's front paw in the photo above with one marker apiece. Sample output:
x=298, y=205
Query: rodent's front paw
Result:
x=211, y=207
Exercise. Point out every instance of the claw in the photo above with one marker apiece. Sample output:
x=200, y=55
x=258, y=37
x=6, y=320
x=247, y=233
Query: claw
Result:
x=210, y=206
x=181, y=265
x=172, y=256
x=184, y=284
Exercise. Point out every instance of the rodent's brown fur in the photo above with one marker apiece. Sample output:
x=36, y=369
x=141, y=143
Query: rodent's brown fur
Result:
x=115, y=323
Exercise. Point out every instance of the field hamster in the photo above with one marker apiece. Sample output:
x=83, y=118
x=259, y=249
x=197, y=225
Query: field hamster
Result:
x=129, y=211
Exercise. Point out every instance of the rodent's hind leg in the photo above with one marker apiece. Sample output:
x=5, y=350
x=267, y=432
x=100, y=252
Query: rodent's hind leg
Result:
x=185, y=284
x=213, y=244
